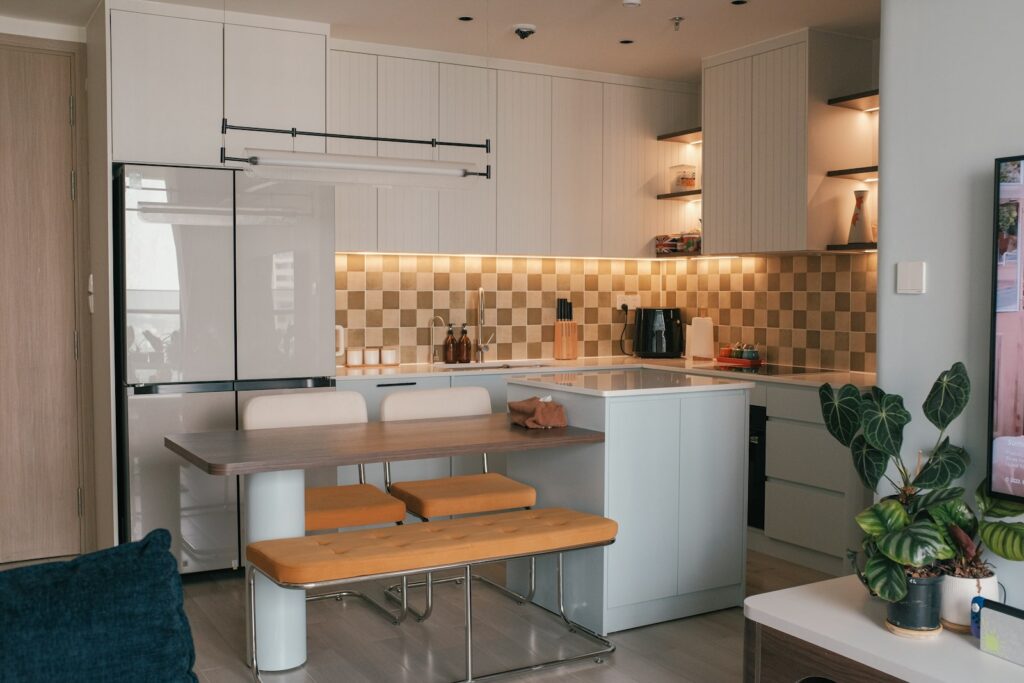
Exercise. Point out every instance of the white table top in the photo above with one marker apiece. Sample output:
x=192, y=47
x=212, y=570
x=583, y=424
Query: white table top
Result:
x=637, y=382
x=840, y=616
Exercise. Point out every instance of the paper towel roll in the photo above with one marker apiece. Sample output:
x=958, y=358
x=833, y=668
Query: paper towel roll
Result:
x=700, y=338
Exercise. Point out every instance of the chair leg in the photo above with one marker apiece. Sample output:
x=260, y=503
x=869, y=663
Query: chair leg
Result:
x=250, y=594
x=469, y=623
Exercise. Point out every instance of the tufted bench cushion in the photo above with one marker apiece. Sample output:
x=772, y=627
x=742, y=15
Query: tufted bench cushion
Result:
x=469, y=540
x=334, y=507
x=464, y=495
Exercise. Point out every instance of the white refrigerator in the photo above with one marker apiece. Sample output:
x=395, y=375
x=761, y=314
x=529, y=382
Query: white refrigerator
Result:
x=224, y=288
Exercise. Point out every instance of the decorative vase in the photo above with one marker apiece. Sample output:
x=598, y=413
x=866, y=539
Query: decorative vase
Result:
x=917, y=615
x=860, y=224
x=957, y=593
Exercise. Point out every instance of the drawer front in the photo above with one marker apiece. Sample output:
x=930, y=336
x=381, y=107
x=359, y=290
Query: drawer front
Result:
x=806, y=454
x=795, y=403
x=759, y=394
x=807, y=517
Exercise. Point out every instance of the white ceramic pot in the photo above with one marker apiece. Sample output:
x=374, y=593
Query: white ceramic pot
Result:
x=957, y=593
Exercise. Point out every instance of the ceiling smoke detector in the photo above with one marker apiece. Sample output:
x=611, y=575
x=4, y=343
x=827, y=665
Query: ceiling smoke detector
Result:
x=524, y=31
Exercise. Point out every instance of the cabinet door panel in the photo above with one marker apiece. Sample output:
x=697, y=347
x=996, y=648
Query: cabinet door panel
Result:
x=804, y=516
x=524, y=158
x=166, y=88
x=576, y=174
x=712, y=486
x=806, y=454
x=274, y=79
x=352, y=110
x=468, y=113
x=644, y=497
x=727, y=156
x=778, y=165
x=622, y=230
x=407, y=108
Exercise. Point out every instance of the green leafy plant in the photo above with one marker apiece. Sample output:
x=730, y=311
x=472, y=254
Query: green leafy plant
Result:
x=902, y=537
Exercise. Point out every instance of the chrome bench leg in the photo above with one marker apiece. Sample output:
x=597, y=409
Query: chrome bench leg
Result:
x=395, y=620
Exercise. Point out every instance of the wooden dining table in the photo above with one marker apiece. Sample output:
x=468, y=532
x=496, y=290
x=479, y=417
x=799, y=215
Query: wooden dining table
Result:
x=273, y=462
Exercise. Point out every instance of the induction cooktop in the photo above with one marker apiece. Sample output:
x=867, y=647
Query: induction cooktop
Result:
x=770, y=370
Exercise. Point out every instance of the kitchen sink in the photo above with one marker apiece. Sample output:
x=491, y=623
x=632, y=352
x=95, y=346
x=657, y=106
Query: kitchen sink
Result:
x=490, y=365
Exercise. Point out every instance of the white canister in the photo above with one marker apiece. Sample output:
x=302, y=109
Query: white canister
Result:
x=339, y=341
x=389, y=356
x=354, y=357
x=957, y=593
x=372, y=355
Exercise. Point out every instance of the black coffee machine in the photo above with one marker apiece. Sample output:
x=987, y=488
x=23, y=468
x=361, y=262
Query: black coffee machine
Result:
x=658, y=333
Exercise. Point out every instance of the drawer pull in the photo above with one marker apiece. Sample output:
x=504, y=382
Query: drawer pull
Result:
x=397, y=384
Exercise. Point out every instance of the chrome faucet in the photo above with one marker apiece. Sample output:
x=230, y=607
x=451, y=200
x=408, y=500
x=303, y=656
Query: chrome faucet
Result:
x=482, y=347
x=433, y=347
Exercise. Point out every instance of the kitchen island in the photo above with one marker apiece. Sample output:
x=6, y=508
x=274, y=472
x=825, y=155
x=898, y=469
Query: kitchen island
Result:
x=671, y=471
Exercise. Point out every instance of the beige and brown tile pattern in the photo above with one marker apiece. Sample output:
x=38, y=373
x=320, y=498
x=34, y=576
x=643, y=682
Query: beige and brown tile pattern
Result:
x=815, y=310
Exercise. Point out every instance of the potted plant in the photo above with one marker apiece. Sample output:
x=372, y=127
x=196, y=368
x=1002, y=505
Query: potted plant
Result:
x=968, y=574
x=903, y=543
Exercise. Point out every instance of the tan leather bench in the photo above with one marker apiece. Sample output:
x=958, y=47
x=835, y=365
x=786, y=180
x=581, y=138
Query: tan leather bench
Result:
x=332, y=559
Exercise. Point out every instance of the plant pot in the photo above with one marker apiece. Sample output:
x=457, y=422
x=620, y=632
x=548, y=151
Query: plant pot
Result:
x=957, y=593
x=918, y=613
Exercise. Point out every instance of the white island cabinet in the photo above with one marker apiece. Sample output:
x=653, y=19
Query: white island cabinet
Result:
x=672, y=472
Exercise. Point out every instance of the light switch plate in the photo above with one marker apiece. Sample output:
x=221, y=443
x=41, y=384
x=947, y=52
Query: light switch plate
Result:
x=910, y=277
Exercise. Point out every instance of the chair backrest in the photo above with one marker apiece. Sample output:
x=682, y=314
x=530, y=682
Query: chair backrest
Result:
x=424, y=404
x=306, y=409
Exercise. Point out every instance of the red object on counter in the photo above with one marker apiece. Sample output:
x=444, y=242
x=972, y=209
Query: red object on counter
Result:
x=739, y=362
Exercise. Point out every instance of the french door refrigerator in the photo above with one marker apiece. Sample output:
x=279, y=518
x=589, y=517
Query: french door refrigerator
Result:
x=224, y=289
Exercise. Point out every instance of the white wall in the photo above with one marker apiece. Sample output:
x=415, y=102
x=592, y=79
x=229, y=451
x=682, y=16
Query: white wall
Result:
x=42, y=29
x=951, y=103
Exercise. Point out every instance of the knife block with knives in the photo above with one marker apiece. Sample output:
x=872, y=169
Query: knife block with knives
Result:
x=566, y=342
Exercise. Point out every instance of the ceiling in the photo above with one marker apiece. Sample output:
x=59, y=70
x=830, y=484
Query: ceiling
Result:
x=582, y=34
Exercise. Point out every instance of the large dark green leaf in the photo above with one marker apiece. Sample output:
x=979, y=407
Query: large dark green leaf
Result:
x=882, y=416
x=841, y=411
x=882, y=518
x=921, y=502
x=957, y=513
x=1005, y=539
x=946, y=464
x=885, y=578
x=869, y=463
x=948, y=397
x=916, y=545
x=995, y=508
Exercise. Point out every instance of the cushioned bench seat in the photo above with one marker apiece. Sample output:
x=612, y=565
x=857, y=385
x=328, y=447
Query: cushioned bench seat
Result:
x=464, y=541
x=335, y=507
x=464, y=495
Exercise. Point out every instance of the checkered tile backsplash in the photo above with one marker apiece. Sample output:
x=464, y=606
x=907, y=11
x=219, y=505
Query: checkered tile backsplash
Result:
x=811, y=310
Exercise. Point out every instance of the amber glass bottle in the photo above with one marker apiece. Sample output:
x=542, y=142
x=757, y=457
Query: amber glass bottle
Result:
x=451, y=347
x=465, y=346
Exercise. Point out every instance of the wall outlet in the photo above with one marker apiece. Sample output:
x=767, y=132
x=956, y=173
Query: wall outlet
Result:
x=630, y=300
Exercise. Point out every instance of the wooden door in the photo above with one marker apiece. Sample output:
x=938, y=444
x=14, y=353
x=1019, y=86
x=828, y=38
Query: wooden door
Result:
x=39, y=419
x=727, y=157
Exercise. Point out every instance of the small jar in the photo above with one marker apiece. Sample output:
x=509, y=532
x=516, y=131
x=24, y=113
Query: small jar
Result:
x=389, y=356
x=354, y=357
x=372, y=355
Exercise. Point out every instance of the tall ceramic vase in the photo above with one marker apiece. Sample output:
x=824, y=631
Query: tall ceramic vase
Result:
x=860, y=224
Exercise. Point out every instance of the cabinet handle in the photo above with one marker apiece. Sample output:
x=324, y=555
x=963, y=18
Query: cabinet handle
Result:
x=397, y=384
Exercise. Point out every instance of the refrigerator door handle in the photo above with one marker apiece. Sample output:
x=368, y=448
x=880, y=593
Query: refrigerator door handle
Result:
x=179, y=388
x=293, y=383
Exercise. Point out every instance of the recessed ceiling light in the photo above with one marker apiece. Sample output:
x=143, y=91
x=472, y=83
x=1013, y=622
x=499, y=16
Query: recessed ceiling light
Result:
x=739, y=2
x=626, y=41
x=465, y=18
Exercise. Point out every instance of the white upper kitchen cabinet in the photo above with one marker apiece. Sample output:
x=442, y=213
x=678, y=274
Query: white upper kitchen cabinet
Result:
x=576, y=171
x=524, y=164
x=166, y=88
x=274, y=79
x=352, y=110
x=407, y=107
x=623, y=233
x=468, y=113
x=770, y=139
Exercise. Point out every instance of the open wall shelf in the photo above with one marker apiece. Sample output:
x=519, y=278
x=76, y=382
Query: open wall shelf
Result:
x=853, y=246
x=690, y=135
x=685, y=196
x=862, y=101
x=862, y=173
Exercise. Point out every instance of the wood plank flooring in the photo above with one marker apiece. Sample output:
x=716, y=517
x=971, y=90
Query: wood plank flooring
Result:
x=347, y=642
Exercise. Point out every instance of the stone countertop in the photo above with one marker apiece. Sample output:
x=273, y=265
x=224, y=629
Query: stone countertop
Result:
x=689, y=365
x=627, y=382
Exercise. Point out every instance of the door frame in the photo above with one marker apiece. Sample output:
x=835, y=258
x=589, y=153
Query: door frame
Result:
x=81, y=248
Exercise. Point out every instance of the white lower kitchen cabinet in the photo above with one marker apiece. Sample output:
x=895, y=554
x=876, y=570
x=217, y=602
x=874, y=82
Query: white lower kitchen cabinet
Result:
x=374, y=390
x=812, y=492
x=672, y=473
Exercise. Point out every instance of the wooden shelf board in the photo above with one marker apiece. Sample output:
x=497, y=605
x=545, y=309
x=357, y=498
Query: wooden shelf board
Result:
x=863, y=101
x=686, y=196
x=853, y=246
x=860, y=173
x=690, y=135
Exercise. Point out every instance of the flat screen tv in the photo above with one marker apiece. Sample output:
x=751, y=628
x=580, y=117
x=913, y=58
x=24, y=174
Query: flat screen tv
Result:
x=1006, y=371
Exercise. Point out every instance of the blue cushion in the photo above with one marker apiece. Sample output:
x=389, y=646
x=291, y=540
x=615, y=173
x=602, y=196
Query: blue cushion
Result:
x=114, y=615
